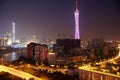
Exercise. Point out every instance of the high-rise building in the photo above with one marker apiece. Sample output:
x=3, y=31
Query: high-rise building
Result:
x=13, y=32
x=76, y=13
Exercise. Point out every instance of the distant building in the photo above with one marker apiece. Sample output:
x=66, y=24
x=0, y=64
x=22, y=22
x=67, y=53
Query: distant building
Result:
x=52, y=47
x=66, y=47
x=75, y=59
x=92, y=53
x=52, y=50
x=106, y=49
x=84, y=44
x=100, y=49
x=96, y=48
x=3, y=42
x=97, y=43
x=51, y=57
x=13, y=32
x=8, y=36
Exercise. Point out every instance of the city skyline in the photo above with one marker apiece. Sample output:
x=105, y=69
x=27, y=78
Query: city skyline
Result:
x=98, y=19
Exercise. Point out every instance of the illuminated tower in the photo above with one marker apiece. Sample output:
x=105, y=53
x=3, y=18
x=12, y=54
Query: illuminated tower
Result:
x=13, y=32
x=77, y=35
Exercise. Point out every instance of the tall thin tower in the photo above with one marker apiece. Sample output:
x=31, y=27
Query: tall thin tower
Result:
x=76, y=13
x=13, y=32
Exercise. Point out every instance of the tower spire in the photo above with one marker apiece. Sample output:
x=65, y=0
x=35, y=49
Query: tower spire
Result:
x=76, y=5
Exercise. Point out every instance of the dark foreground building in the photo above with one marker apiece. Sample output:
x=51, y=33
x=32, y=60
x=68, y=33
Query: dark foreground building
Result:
x=66, y=47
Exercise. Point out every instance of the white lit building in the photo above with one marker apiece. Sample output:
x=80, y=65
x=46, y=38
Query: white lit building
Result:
x=8, y=36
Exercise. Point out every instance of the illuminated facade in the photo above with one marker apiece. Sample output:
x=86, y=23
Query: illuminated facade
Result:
x=9, y=38
x=51, y=57
x=3, y=42
x=76, y=13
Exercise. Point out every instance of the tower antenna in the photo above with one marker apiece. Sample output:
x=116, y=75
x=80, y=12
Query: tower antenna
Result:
x=76, y=4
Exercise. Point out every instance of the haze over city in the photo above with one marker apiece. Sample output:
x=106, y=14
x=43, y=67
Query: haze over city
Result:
x=98, y=18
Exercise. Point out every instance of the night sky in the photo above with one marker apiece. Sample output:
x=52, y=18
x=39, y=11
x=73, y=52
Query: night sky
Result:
x=50, y=18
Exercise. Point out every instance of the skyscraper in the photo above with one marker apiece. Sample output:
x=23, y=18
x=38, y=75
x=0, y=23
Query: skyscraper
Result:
x=76, y=13
x=13, y=32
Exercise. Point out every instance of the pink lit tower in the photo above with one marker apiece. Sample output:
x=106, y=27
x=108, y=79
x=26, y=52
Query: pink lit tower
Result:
x=76, y=13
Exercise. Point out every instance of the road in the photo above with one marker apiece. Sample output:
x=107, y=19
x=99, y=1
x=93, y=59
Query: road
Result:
x=18, y=73
x=95, y=71
x=50, y=69
x=87, y=74
x=113, y=59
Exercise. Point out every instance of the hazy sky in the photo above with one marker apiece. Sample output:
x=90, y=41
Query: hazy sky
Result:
x=48, y=18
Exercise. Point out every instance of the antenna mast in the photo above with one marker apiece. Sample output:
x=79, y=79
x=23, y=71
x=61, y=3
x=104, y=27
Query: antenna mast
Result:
x=76, y=5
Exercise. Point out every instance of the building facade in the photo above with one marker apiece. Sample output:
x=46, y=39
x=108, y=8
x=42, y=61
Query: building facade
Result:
x=37, y=51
